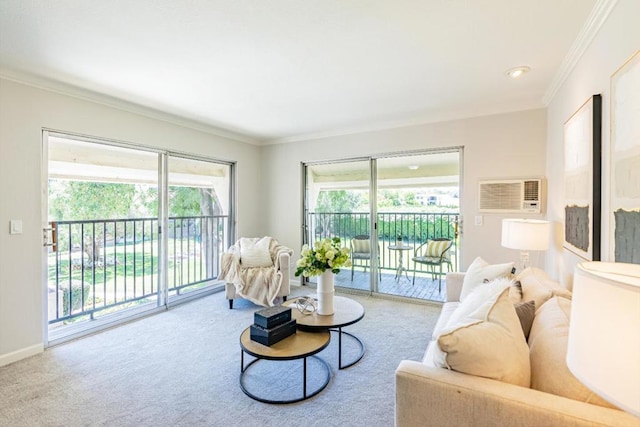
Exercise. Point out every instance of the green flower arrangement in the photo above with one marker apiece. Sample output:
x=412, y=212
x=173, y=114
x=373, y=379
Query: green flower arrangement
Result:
x=326, y=255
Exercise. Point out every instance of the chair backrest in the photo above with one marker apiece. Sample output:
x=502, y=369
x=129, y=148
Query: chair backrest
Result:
x=438, y=248
x=361, y=244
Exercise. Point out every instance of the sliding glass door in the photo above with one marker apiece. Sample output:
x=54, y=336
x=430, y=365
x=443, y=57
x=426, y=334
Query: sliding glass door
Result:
x=128, y=228
x=418, y=210
x=337, y=205
x=413, y=199
x=199, y=204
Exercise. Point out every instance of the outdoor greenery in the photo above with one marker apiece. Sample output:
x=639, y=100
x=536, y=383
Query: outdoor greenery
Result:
x=82, y=200
x=401, y=214
x=107, y=236
x=389, y=200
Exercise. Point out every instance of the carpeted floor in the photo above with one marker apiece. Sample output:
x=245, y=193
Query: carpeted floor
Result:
x=181, y=368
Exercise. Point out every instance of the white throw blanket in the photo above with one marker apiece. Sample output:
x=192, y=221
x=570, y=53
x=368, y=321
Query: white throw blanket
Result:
x=259, y=285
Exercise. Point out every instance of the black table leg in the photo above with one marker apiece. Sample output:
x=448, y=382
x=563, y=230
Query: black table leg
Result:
x=360, y=343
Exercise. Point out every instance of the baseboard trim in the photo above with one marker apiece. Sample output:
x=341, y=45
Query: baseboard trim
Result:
x=23, y=353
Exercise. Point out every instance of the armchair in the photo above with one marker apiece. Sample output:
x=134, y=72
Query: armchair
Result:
x=433, y=253
x=256, y=269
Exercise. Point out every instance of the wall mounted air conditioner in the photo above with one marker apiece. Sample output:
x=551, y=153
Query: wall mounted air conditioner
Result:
x=511, y=195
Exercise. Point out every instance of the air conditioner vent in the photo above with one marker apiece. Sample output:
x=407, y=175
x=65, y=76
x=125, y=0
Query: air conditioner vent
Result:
x=532, y=190
x=517, y=195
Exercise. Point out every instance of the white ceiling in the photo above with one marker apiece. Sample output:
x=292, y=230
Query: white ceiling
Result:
x=284, y=70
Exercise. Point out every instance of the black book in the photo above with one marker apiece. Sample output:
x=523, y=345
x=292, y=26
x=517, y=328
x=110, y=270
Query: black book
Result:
x=272, y=316
x=273, y=335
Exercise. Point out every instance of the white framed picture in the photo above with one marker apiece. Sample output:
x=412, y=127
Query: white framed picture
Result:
x=625, y=162
x=582, y=179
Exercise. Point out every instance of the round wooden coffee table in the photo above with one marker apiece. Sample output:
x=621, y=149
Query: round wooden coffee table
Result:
x=298, y=346
x=347, y=312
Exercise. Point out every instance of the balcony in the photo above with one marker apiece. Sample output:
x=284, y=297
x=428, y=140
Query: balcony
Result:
x=413, y=228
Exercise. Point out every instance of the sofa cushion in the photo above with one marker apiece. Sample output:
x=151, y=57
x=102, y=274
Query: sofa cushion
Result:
x=485, y=340
x=539, y=287
x=548, y=352
x=479, y=271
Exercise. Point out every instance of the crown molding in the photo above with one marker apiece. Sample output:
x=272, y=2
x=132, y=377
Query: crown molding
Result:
x=117, y=103
x=399, y=124
x=592, y=25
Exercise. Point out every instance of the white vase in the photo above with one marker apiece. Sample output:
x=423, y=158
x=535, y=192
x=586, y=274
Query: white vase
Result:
x=325, y=292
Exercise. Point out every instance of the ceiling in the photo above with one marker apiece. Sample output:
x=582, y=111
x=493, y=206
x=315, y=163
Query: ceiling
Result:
x=285, y=70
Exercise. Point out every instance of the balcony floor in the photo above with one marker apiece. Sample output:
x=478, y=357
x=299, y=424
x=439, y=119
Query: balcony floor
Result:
x=425, y=288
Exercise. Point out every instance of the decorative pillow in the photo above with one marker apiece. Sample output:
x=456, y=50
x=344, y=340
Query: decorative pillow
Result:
x=515, y=292
x=486, y=342
x=539, y=287
x=548, y=342
x=361, y=245
x=515, y=288
x=254, y=252
x=526, y=311
x=478, y=271
x=436, y=247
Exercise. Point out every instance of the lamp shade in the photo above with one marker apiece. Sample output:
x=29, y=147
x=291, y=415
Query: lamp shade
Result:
x=604, y=335
x=526, y=234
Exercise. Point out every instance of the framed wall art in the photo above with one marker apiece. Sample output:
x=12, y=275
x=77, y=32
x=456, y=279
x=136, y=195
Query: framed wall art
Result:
x=625, y=162
x=582, y=179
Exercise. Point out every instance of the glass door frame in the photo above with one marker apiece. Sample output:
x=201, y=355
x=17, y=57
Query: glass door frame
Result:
x=162, y=214
x=373, y=200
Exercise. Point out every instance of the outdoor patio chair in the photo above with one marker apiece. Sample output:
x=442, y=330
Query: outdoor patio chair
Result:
x=361, y=251
x=433, y=253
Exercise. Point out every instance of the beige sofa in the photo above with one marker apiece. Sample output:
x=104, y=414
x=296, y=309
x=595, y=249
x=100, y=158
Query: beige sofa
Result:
x=435, y=396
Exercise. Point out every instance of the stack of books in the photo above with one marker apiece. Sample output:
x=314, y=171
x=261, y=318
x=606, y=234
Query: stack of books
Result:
x=272, y=324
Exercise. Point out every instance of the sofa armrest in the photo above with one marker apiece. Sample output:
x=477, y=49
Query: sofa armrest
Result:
x=454, y=286
x=285, y=269
x=429, y=396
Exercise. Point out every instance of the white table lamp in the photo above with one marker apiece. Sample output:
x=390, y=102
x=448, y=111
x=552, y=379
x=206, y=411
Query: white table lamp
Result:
x=526, y=235
x=604, y=333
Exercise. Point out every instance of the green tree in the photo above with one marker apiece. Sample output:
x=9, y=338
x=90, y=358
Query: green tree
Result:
x=185, y=201
x=338, y=201
x=81, y=200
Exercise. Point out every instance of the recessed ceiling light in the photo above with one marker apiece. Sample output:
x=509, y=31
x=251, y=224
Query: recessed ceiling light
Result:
x=413, y=167
x=516, y=72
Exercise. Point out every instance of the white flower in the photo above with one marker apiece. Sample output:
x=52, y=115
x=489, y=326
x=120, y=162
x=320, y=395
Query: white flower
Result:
x=326, y=254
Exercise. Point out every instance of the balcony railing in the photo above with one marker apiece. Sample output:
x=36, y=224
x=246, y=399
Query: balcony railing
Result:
x=413, y=228
x=100, y=266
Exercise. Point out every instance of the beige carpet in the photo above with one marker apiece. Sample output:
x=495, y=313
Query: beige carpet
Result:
x=181, y=368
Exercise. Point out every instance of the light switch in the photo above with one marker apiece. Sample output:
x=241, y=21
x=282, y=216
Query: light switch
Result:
x=15, y=226
x=478, y=220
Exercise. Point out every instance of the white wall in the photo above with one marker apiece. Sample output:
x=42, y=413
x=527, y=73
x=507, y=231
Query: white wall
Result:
x=24, y=111
x=498, y=146
x=616, y=42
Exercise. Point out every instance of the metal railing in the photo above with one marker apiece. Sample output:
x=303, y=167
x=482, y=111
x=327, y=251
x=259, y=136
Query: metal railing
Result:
x=413, y=228
x=99, y=266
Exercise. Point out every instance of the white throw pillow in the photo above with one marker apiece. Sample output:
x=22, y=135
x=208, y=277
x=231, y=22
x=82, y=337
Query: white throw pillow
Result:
x=255, y=252
x=478, y=271
x=486, y=340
